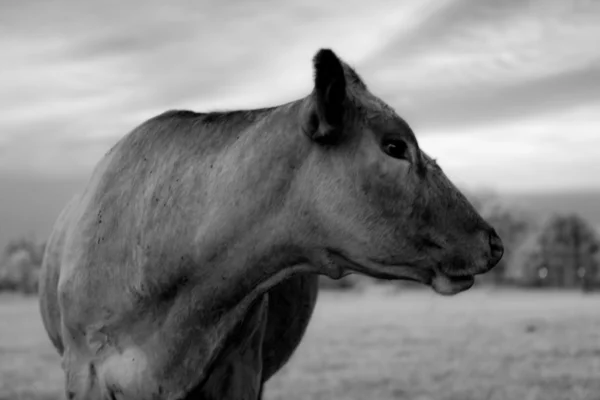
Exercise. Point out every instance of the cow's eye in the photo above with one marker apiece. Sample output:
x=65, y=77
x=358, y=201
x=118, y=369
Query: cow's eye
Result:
x=396, y=148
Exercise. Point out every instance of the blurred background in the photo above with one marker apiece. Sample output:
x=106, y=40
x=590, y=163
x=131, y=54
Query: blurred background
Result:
x=505, y=94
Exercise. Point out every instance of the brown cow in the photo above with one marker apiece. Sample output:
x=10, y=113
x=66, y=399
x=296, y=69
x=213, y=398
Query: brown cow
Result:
x=188, y=267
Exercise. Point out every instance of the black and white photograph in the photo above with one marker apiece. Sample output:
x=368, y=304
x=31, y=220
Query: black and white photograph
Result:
x=300, y=200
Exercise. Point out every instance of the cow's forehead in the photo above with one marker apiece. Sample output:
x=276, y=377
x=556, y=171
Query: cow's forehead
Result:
x=373, y=109
x=380, y=115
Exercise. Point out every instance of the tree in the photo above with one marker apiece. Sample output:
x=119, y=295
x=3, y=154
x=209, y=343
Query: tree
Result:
x=563, y=253
x=28, y=244
x=19, y=273
x=20, y=265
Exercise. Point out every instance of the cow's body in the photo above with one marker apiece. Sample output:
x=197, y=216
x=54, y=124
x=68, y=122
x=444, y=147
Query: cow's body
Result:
x=127, y=217
x=188, y=266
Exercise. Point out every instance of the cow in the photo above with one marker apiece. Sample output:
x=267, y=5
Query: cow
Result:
x=188, y=266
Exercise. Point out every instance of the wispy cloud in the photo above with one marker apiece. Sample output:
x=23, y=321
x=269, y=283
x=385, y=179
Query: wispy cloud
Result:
x=479, y=61
x=480, y=80
x=550, y=152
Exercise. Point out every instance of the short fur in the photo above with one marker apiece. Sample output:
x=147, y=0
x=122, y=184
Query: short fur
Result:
x=188, y=266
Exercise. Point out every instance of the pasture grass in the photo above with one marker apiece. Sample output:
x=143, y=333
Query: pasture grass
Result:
x=479, y=345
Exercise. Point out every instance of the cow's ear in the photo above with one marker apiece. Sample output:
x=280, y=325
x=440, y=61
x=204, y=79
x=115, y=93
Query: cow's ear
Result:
x=329, y=96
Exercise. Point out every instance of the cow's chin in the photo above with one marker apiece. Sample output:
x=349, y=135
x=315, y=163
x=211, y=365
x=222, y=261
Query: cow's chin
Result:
x=341, y=265
x=446, y=285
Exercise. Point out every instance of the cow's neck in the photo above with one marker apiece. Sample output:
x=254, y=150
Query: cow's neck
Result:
x=250, y=243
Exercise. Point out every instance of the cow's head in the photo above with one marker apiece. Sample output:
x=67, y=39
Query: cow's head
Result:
x=381, y=206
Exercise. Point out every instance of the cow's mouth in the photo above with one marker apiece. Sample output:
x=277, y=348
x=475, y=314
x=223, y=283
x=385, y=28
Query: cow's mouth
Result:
x=439, y=281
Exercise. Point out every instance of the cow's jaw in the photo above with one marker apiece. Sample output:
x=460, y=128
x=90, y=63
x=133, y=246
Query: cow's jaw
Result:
x=340, y=265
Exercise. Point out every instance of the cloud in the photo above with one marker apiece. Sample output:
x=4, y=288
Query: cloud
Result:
x=92, y=71
x=554, y=152
x=491, y=103
x=483, y=61
x=76, y=76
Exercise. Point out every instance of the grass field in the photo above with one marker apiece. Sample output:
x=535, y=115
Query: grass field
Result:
x=480, y=345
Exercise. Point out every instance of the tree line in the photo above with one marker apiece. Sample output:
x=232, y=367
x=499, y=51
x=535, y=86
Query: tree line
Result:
x=556, y=251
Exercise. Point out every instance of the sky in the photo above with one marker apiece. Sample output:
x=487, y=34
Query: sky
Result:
x=505, y=94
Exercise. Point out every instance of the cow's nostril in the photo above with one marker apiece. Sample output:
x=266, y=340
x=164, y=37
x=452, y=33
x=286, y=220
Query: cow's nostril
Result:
x=496, y=247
